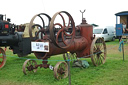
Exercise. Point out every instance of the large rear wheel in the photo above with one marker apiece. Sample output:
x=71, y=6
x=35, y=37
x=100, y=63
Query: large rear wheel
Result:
x=98, y=51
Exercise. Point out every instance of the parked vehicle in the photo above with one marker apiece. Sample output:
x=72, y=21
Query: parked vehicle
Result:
x=107, y=33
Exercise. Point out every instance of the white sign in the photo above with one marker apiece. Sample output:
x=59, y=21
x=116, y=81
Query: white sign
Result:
x=40, y=46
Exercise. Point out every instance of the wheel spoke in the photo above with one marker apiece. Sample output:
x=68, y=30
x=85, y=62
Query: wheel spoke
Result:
x=100, y=46
x=33, y=64
x=59, y=77
x=101, y=58
x=62, y=19
x=100, y=61
x=94, y=49
x=60, y=66
x=57, y=36
x=97, y=45
x=63, y=39
x=102, y=52
x=97, y=60
x=28, y=64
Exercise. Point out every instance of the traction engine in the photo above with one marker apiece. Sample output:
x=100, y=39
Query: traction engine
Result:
x=14, y=36
x=58, y=38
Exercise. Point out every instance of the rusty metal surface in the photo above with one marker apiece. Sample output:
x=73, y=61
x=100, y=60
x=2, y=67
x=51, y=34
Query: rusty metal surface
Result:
x=78, y=45
x=86, y=31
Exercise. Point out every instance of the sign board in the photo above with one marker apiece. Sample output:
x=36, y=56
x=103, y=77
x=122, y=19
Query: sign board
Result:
x=40, y=46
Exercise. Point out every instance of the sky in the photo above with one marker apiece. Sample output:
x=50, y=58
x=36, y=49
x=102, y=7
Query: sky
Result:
x=101, y=12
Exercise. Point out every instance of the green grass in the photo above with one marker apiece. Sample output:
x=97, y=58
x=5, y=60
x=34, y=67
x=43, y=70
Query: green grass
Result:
x=113, y=72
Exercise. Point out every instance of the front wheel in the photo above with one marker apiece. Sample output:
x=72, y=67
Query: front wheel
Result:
x=29, y=66
x=61, y=70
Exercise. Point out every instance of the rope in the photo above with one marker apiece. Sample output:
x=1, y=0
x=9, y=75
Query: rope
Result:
x=64, y=60
x=120, y=45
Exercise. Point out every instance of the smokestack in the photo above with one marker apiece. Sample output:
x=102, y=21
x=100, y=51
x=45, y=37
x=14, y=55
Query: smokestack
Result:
x=1, y=17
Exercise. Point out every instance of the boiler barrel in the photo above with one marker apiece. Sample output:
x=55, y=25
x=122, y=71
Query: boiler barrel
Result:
x=10, y=40
x=79, y=44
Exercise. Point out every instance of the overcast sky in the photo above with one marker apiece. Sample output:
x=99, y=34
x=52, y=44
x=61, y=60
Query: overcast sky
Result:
x=101, y=12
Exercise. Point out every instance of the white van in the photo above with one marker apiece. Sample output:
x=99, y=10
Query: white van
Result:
x=108, y=33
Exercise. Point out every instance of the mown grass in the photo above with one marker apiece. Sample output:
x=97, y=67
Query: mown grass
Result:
x=113, y=72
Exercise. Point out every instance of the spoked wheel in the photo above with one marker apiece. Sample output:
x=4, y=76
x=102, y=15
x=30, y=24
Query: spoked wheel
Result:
x=36, y=29
x=2, y=58
x=29, y=66
x=71, y=55
x=62, y=35
x=98, y=51
x=61, y=70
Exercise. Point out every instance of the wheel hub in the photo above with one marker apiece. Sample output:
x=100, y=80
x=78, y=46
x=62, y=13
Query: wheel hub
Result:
x=61, y=71
x=98, y=51
x=30, y=68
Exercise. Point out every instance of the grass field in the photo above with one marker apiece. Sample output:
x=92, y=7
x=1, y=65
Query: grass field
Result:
x=113, y=72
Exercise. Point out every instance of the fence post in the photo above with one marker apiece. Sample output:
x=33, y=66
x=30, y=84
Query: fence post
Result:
x=123, y=50
x=69, y=75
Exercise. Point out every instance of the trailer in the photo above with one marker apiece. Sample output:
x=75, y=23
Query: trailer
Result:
x=122, y=25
